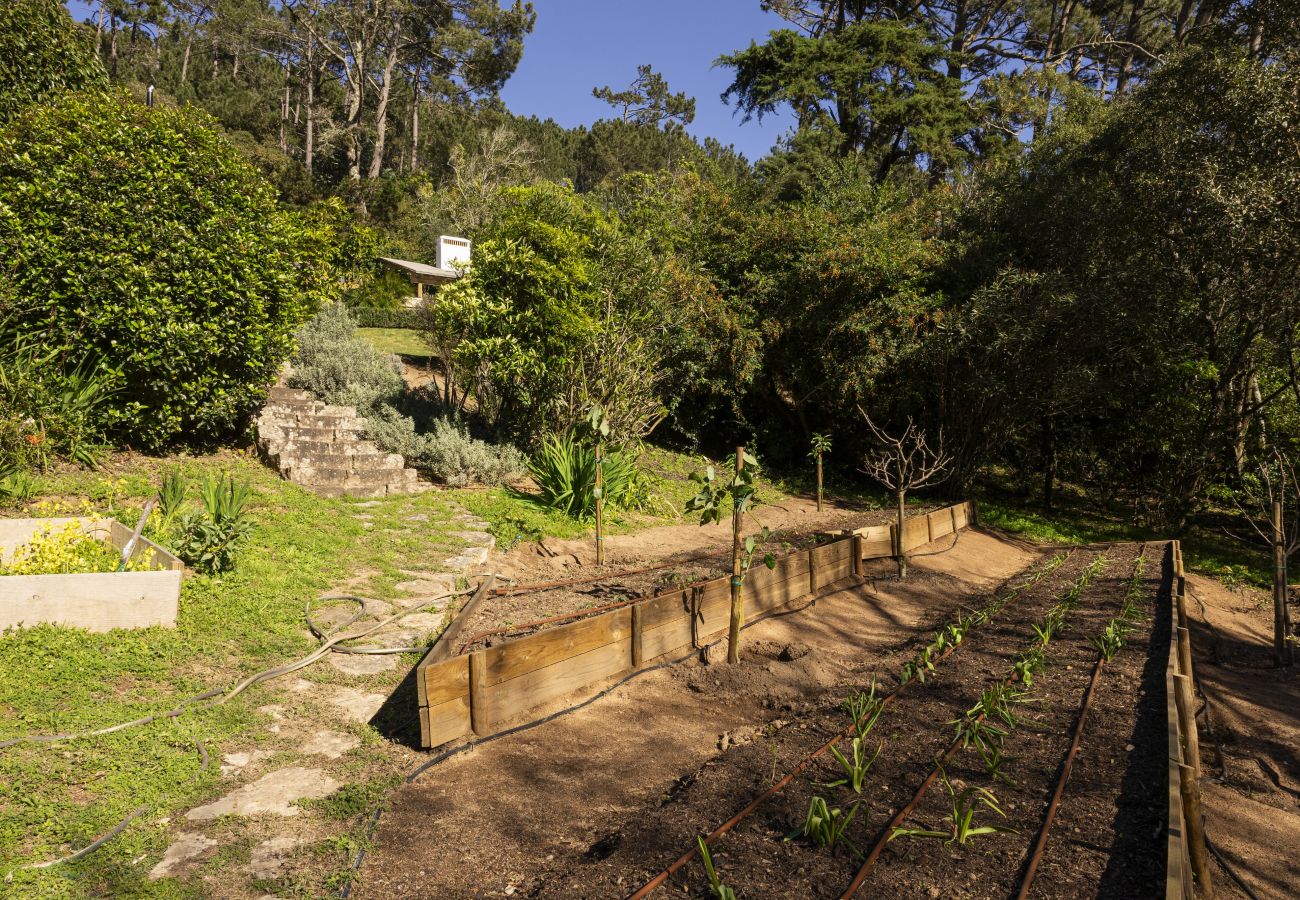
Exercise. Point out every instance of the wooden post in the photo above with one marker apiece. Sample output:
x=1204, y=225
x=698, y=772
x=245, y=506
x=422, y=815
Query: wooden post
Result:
x=1185, y=652
x=812, y=570
x=857, y=556
x=1180, y=601
x=737, y=605
x=1190, y=791
x=600, y=506
x=1186, y=704
x=636, y=636
x=819, y=481
x=902, y=531
x=1280, y=654
x=477, y=695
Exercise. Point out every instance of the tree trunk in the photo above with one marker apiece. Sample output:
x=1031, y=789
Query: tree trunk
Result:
x=309, y=136
x=415, y=122
x=901, y=495
x=284, y=114
x=1134, y=31
x=381, y=112
x=185, y=58
x=737, y=599
x=99, y=31
x=112, y=47
x=1281, y=648
x=959, y=25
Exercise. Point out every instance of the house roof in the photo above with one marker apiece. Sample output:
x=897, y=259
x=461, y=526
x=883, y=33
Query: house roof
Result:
x=421, y=273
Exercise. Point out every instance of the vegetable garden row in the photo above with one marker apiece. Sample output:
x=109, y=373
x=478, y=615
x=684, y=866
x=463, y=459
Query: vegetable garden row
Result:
x=1018, y=752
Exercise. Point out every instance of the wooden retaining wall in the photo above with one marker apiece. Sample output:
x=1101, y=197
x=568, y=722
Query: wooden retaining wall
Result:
x=479, y=692
x=1186, y=863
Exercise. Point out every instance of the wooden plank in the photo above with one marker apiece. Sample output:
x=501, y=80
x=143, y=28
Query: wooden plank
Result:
x=881, y=548
x=509, y=699
x=445, y=647
x=792, y=565
x=873, y=533
x=940, y=523
x=666, y=608
x=444, y=722
x=96, y=602
x=162, y=558
x=672, y=637
x=834, y=561
x=774, y=596
x=537, y=651
x=916, y=533
x=961, y=515
x=444, y=681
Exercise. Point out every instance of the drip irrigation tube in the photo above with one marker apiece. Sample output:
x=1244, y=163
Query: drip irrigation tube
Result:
x=726, y=826
x=1040, y=844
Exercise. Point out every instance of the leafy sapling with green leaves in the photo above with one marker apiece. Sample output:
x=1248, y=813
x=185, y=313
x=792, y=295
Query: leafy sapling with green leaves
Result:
x=741, y=491
x=821, y=445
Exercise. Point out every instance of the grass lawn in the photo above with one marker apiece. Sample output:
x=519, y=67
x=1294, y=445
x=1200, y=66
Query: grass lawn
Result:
x=402, y=341
x=55, y=798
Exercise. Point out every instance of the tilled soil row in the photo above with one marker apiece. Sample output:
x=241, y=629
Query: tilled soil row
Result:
x=993, y=865
x=1110, y=828
x=753, y=858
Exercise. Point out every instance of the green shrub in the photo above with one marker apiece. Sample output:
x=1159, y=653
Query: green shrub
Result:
x=565, y=472
x=210, y=539
x=368, y=317
x=41, y=55
x=342, y=368
x=141, y=237
x=447, y=452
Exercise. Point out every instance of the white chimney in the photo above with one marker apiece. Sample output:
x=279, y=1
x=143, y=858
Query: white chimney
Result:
x=453, y=253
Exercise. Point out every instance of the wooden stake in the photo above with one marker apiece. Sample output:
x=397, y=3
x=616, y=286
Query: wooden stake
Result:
x=737, y=607
x=1186, y=704
x=1280, y=654
x=857, y=556
x=600, y=506
x=819, y=481
x=478, y=722
x=636, y=636
x=1190, y=791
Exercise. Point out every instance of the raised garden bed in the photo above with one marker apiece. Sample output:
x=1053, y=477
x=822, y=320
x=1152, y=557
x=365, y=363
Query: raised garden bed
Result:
x=96, y=601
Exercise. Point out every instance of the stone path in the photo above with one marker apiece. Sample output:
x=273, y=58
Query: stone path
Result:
x=316, y=733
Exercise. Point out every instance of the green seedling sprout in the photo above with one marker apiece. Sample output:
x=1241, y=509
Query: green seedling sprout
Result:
x=825, y=827
x=717, y=889
x=856, y=765
x=964, y=804
x=865, y=708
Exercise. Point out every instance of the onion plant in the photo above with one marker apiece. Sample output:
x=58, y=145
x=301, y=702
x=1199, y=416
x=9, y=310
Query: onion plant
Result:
x=717, y=889
x=826, y=827
x=856, y=765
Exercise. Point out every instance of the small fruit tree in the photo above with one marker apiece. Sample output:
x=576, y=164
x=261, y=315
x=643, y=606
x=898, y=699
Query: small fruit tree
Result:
x=821, y=444
x=709, y=503
x=902, y=464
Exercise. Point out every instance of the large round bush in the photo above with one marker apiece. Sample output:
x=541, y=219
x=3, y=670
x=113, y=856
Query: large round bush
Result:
x=141, y=236
x=41, y=55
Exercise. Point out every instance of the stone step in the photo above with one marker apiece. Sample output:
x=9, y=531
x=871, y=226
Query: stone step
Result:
x=281, y=393
x=318, y=433
x=294, y=447
x=308, y=473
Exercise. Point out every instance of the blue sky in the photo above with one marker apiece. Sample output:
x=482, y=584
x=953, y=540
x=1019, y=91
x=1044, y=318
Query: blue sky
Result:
x=582, y=44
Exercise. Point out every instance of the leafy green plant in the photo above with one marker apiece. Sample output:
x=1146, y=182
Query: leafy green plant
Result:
x=865, y=708
x=171, y=498
x=70, y=549
x=715, y=494
x=964, y=803
x=1111, y=639
x=18, y=485
x=717, y=889
x=826, y=827
x=209, y=539
x=856, y=766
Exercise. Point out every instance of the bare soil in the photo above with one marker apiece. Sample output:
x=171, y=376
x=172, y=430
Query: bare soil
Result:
x=679, y=554
x=517, y=813
x=1251, y=787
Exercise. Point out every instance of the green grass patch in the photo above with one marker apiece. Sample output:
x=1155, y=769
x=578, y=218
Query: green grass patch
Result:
x=402, y=341
x=57, y=798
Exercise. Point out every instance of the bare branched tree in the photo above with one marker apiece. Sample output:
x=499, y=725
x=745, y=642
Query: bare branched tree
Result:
x=902, y=464
x=1274, y=485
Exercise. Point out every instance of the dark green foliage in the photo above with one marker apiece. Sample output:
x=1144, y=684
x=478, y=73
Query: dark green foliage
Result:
x=565, y=472
x=141, y=237
x=368, y=317
x=42, y=55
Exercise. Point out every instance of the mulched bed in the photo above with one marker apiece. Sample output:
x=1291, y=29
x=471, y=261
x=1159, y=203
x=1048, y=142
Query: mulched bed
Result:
x=1107, y=832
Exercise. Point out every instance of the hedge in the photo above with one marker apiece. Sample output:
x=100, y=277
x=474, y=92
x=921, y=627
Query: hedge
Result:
x=367, y=317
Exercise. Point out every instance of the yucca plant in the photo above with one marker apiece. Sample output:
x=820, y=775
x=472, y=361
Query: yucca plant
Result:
x=565, y=472
x=964, y=803
x=717, y=889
